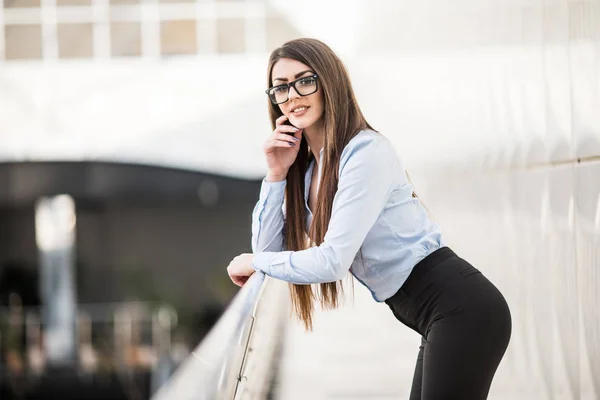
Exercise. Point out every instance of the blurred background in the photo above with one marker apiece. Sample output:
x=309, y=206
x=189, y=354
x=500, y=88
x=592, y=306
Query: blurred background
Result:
x=131, y=139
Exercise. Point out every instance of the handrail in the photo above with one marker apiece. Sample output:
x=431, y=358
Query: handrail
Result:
x=216, y=367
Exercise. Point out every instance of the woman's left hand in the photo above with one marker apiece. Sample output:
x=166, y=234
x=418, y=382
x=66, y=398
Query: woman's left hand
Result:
x=240, y=268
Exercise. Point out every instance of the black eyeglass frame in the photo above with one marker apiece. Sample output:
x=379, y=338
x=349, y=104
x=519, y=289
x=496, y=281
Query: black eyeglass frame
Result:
x=293, y=84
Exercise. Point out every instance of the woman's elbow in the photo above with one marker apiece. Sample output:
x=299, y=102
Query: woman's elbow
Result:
x=337, y=268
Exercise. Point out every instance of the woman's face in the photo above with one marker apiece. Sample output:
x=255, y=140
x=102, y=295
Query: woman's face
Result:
x=302, y=111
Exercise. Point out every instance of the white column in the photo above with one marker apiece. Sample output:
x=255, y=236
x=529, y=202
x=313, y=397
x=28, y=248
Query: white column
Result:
x=2, y=38
x=206, y=26
x=55, y=238
x=101, y=28
x=255, y=34
x=49, y=30
x=150, y=29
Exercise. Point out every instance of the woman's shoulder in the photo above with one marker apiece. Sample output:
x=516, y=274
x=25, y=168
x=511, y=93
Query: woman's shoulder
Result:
x=367, y=135
x=368, y=142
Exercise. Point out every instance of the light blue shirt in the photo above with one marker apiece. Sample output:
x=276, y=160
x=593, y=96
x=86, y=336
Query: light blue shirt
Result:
x=377, y=230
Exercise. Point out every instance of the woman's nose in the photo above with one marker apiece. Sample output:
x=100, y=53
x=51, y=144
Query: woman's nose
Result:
x=292, y=93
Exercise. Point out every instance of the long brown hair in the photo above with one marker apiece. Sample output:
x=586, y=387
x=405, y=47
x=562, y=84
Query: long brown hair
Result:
x=343, y=119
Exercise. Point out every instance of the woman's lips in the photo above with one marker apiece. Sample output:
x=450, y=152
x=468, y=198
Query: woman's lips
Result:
x=301, y=112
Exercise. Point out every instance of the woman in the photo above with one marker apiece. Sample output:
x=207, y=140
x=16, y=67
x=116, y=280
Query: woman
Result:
x=345, y=188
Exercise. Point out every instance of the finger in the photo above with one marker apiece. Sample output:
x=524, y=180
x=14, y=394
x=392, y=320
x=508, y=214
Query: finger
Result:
x=235, y=279
x=298, y=134
x=239, y=280
x=271, y=144
x=286, y=128
x=287, y=138
x=281, y=143
x=281, y=120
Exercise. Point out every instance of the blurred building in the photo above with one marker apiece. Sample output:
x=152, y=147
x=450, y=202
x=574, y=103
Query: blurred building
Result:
x=102, y=29
x=145, y=231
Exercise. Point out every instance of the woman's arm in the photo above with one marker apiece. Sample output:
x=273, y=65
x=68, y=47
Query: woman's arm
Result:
x=268, y=218
x=368, y=167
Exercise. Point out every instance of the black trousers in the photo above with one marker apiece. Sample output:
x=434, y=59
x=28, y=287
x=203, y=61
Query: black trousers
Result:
x=464, y=322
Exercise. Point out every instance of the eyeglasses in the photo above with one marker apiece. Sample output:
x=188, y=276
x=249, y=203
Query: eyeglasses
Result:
x=304, y=86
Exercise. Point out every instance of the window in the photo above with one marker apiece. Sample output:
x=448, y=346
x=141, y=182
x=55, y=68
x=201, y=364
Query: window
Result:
x=66, y=29
x=23, y=42
x=178, y=37
x=230, y=35
x=75, y=41
x=126, y=39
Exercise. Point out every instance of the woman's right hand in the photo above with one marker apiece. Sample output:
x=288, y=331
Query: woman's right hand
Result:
x=281, y=149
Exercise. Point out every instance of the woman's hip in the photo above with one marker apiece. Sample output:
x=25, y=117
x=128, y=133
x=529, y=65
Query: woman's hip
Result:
x=443, y=285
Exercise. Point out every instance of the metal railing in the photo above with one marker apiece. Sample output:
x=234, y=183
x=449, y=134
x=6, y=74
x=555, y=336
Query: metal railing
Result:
x=236, y=360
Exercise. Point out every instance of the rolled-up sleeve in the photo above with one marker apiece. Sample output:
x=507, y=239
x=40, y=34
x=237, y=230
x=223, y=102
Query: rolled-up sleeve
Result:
x=364, y=186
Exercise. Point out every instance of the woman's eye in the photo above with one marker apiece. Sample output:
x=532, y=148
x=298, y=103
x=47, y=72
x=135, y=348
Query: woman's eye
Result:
x=279, y=89
x=307, y=81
